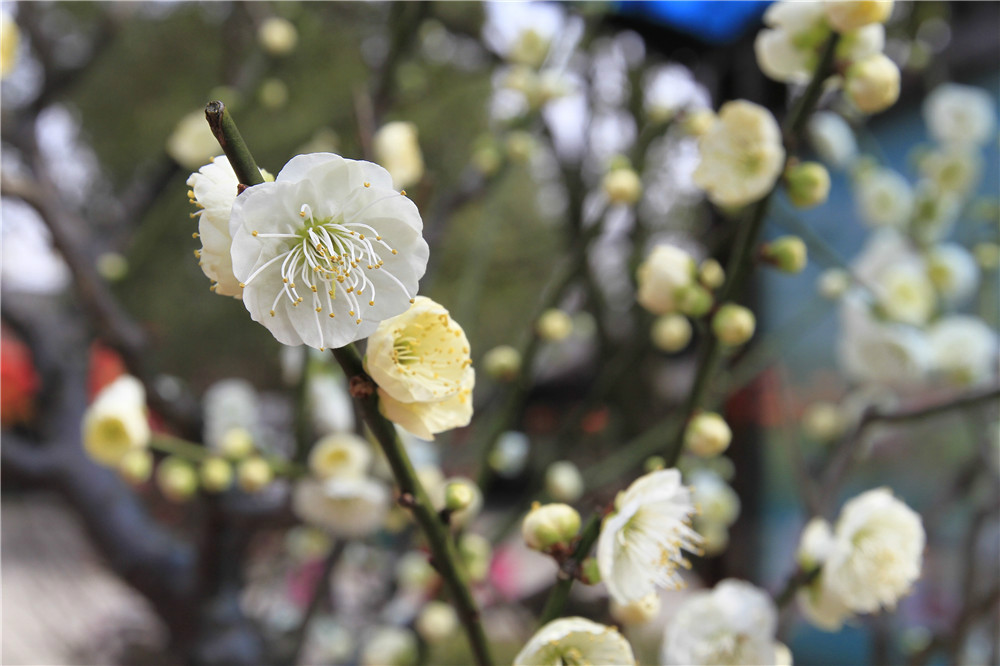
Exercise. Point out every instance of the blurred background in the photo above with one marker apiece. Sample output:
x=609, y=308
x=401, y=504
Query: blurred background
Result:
x=103, y=123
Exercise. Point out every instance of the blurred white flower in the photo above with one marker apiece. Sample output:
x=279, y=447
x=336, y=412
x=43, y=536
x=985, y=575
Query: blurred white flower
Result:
x=669, y=89
x=741, y=155
x=420, y=361
x=734, y=623
x=349, y=507
x=717, y=502
x=959, y=114
x=307, y=246
x=848, y=15
x=575, y=640
x=935, y=212
x=833, y=139
x=872, y=83
x=964, y=349
x=884, y=197
x=637, y=612
x=277, y=35
x=332, y=408
x=213, y=190
x=523, y=32
x=953, y=169
x=820, y=605
x=641, y=541
x=192, y=143
x=115, y=423
x=666, y=269
x=341, y=454
x=898, y=278
x=437, y=621
x=873, y=352
x=390, y=646
x=510, y=455
x=229, y=405
x=563, y=481
x=398, y=151
x=953, y=271
x=786, y=50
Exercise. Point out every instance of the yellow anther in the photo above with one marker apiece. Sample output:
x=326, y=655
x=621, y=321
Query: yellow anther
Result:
x=302, y=213
x=394, y=252
x=319, y=309
x=371, y=302
x=361, y=236
x=194, y=235
x=368, y=184
x=242, y=285
x=412, y=301
x=403, y=192
x=313, y=287
x=358, y=321
x=332, y=315
x=197, y=254
x=378, y=238
x=351, y=313
x=272, y=313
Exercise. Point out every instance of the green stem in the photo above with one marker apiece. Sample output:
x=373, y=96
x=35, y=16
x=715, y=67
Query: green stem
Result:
x=444, y=555
x=176, y=446
x=796, y=120
x=228, y=136
x=557, y=598
x=799, y=579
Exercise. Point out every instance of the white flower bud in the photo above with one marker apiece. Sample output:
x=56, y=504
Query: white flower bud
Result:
x=253, y=474
x=436, y=622
x=671, y=332
x=622, y=186
x=711, y=274
x=563, y=481
x=549, y=525
x=236, y=443
x=136, y=466
x=216, y=475
x=554, y=325
x=833, y=283
x=733, y=324
x=787, y=253
x=666, y=269
x=707, y=435
x=503, y=363
x=176, y=479
x=872, y=84
x=459, y=494
x=849, y=15
x=112, y=266
x=640, y=611
x=115, y=423
x=277, y=36
x=397, y=149
x=807, y=184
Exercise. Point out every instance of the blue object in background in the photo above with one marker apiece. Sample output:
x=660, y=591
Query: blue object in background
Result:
x=712, y=21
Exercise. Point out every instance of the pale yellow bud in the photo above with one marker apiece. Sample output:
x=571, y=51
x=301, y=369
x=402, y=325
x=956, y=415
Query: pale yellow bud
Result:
x=341, y=454
x=216, y=475
x=807, y=184
x=476, y=554
x=277, y=36
x=398, y=150
x=639, y=611
x=437, y=621
x=698, y=121
x=733, y=324
x=833, y=283
x=272, y=94
x=693, y=300
x=458, y=495
x=253, y=474
x=711, y=274
x=823, y=421
x=554, y=325
x=548, y=525
x=176, y=479
x=622, y=186
x=787, y=253
x=563, y=481
x=503, y=363
x=849, y=15
x=136, y=466
x=707, y=435
x=872, y=83
x=671, y=332
x=237, y=443
x=112, y=266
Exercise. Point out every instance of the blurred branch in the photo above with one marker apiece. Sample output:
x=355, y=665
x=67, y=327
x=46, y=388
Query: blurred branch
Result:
x=444, y=555
x=319, y=592
x=404, y=20
x=569, y=569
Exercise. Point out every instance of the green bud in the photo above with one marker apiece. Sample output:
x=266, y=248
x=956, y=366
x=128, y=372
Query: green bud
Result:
x=671, y=332
x=554, y=325
x=136, y=466
x=253, y=474
x=502, y=363
x=476, y=554
x=733, y=324
x=787, y=253
x=548, y=525
x=590, y=573
x=623, y=186
x=654, y=463
x=176, y=479
x=807, y=184
x=458, y=495
x=711, y=274
x=216, y=475
x=693, y=300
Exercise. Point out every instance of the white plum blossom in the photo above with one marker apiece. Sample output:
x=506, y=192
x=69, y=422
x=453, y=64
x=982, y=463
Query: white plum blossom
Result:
x=230, y=405
x=213, y=190
x=963, y=349
x=832, y=138
x=884, y=197
x=734, y=623
x=342, y=454
x=115, y=423
x=420, y=361
x=897, y=277
x=641, y=541
x=661, y=274
x=575, y=640
x=953, y=271
x=349, y=507
x=786, y=50
x=741, y=155
x=847, y=15
x=960, y=115
x=881, y=353
x=870, y=560
x=953, y=169
x=326, y=251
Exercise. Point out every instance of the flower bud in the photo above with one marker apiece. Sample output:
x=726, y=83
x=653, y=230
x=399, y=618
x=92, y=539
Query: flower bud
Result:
x=563, y=481
x=176, y=479
x=693, y=300
x=548, y=525
x=414, y=571
x=654, y=463
x=486, y=156
x=237, y=443
x=554, y=325
x=476, y=554
x=520, y=146
x=639, y=611
x=823, y=421
x=272, y=93
x=707, y=435
x=112, y=266
x=253, y=474
x=787, y=254
x=697, y=122
x=711, y=274
x=216, y=475
x=277, y=36
x=849, y=15
x=502, y=363
x=807, y=184
x=136, y=466
x=590, y=571
x=872, y=83
x=715, y=538
x=671, y=332
x=622, y=186
x=436, y=622
x=733, y=324
x=833, y=283
x=398, y=151
x=458, y=495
